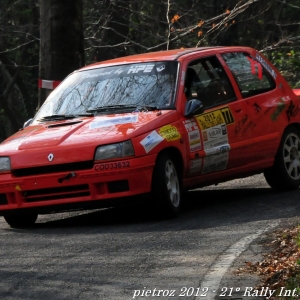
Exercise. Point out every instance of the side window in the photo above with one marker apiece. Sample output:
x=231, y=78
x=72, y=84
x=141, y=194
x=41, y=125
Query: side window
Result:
x=249, y=74
x=207, y=81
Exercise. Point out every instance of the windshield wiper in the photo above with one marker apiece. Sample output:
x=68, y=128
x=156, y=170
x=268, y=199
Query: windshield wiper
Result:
x=143, y=108
x=136, y=107
x=109, y=107
x=64, y=117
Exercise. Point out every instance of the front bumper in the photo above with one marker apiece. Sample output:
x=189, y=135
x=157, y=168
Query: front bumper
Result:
x=105, y=181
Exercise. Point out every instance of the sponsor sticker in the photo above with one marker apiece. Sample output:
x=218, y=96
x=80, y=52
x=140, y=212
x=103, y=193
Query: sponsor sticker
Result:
x=292, y=111
x=216, y=150
x=119, y=71
x=106, y=122
x=266, y=66
x=169, y=133
x=151, y=141
x=104, y=73
x=214, y=137
x=193, y=135
x=215, y=163
x=160, y=68
x=196, y=165
x=194, y=139
x=216, y=117
x=281, y=106
x=140, y=68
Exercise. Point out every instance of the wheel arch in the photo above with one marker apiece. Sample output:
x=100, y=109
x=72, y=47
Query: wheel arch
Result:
x=291, y=125
x=295, y=125
x=177, y=159
x=166, y=183
x=284, y=174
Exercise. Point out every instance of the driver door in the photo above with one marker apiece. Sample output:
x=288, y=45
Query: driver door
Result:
x=215, y=142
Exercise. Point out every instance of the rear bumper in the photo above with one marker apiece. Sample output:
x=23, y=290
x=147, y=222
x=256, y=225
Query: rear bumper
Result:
x=104, y=183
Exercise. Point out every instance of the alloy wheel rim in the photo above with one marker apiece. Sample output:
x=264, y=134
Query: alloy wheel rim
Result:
x=291, y=156
x=172, y=184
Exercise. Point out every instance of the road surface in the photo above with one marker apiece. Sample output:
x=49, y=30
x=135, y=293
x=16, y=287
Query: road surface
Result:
x=130, y=253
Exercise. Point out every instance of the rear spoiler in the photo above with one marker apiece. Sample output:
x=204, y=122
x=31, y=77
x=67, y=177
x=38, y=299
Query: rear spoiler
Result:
x=297, y=92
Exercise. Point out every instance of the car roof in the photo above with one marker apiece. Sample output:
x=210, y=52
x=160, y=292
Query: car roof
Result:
x=160, y=56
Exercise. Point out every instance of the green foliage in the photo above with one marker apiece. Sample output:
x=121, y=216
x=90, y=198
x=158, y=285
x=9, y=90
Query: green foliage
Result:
x=292, y=284
x=288, y=63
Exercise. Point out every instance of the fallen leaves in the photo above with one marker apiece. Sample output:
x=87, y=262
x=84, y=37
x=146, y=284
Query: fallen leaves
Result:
x=280, y=266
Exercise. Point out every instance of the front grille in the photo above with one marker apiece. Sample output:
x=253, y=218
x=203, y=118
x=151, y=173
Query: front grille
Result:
x=57, y=193
x=76, y=166
x=3, y=199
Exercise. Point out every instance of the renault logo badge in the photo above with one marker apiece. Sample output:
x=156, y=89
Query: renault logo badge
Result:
x=50, y=157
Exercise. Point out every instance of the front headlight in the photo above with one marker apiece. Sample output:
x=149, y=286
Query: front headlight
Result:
x=114, y=151
x=4, y=164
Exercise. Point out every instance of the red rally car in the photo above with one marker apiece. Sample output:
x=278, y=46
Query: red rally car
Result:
x=152, y=124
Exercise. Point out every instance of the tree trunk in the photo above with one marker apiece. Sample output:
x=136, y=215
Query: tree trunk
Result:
x=62, y=43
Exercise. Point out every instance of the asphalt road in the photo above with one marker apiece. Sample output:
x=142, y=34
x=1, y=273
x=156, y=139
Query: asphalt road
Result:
x=125, y=253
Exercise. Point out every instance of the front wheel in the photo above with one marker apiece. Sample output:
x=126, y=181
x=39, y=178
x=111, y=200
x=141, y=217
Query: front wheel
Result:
x=166, y=185
x=21, y=220
x=285, y=173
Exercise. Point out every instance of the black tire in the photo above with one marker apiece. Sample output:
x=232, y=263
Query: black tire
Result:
x=285, y=173
x=166, y=189
x=21, y=220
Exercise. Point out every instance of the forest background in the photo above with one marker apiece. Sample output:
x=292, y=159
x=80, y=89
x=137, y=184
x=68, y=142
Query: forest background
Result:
x=113, y=28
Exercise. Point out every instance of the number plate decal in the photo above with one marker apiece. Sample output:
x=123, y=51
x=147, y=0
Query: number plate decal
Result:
x=112, y=165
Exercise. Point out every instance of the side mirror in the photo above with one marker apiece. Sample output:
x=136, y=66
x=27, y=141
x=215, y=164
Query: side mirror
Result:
x=193, y=107
x=27, y=123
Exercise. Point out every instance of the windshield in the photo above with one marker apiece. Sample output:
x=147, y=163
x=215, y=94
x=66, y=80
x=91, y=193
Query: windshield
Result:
x=141, y=85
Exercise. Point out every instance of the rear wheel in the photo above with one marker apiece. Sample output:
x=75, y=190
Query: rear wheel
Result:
x=285, y=173
x=166, y=185
x=21, y=220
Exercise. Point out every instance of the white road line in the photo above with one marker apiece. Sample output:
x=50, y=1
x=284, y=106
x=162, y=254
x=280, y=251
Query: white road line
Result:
x=216, y=272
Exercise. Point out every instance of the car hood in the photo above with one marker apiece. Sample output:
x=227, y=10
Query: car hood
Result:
x=79, y=137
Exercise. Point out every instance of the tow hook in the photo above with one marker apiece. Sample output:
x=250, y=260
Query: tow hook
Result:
x=67, y=177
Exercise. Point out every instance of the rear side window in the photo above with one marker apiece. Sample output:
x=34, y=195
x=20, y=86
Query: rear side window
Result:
x=250, y=75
